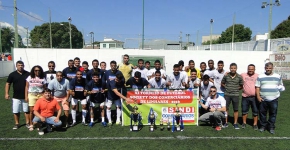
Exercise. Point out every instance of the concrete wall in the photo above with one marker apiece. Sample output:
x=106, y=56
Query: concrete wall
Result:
x=6, y=67
x=41, y=57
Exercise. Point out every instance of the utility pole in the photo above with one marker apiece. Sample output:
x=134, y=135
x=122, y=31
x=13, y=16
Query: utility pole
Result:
x=69, y=23
x=233, y=35
x=15, y=26
x=180, y=39
x=50, y=36
x=187, y=36
x=143, y=28
x=211, y=21
x=27, y=37
x=197, y=38
x=1, y=38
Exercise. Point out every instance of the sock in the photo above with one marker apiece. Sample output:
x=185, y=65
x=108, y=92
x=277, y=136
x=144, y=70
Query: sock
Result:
x=103, y=119
x=118, y=114
x=73, y=115
x=109, y=115
x=92, y=119
x=84, y=114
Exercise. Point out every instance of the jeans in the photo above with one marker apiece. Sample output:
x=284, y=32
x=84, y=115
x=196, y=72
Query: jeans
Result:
x=246, y=102
x=212, y=117
x=49, y=120
x=272, y=107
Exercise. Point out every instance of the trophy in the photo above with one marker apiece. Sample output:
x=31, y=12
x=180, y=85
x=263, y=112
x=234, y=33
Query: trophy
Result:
x=168, y=124
x=135, y=119
x=161, y=124
x=151, y=119
x=178, y=120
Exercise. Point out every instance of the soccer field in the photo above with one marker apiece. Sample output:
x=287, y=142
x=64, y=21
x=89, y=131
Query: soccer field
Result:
x=118, y=137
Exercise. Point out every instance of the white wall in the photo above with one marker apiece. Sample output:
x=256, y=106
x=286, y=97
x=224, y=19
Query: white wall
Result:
x=6, y=67
x=41, y=57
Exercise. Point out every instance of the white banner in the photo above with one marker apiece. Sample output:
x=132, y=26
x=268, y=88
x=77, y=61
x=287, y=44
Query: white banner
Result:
x=281, y=64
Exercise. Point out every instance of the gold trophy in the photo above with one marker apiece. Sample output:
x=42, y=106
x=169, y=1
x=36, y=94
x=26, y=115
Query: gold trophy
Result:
x=135, y=118
x=152, y=120
x=161, y=124
x=168, y=124
x=177, y=118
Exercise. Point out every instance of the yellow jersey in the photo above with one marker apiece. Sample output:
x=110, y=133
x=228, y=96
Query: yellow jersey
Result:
x=126, y=70
x=197, y=73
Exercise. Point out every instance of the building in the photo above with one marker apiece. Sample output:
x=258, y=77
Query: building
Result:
x=207, y=38
x=260, y=37
x=110, y=43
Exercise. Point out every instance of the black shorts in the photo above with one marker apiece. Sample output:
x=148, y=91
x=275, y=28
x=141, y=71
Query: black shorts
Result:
x=235, y=100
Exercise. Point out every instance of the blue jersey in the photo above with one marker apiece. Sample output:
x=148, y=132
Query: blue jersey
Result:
x=110, y=76
x=142, y=82
x=78, y=87
x=91, y=72
x=95, y=88
x=112, y=84
x=69, y=73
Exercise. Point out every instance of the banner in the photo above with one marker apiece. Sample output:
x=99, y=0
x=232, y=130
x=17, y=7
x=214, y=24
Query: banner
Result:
x=281, y=64
x=163, y=104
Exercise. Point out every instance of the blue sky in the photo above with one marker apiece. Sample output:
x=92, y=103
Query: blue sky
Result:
x=164, y=19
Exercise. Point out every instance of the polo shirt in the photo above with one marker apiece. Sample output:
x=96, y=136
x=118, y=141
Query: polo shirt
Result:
x=232, y=84
x=137, y=85
x=46, y=108
x=249, y=84
x=59, y=88
x=19, y=82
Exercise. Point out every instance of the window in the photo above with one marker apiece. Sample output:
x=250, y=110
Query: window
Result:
x=104, y=45
x=112, y=45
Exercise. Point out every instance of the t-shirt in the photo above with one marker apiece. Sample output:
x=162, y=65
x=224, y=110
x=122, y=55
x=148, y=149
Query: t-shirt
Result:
x=35, y=85
x=217, y=77
x=176, y=81
x=69, y=73
x=78, y=87
x=205, y=89
x=96, y=96
x=112, y=84
x=59, y=88
x=137, y=85
x=197, y=73
x=109, y=76
x=157, y=85
x=90, y=73
x=210, y=73
x=46, y=108
x=152, y=71
x=270, y=86
x=192, y=82
x=249, y=84
x=84, y=73
x=219, y=102
x=49, y=75
x=232, y=84
x=19, y=82
x=143, y=72
x=126, y=70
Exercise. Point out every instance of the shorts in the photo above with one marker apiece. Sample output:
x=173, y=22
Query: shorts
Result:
x=62, y=100
x=32, y=98
x=75, y=101
x=235, y=100
x=246, y=102
x=17, y=104
x=92, y=104
x=116, y=102
x=221, y=94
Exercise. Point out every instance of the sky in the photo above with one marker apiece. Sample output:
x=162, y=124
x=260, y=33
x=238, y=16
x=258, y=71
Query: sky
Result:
x=164, y=19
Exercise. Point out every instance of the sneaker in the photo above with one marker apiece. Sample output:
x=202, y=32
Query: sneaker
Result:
x=16, y=126
x=236, y=126
x=27, y=125
x=110, y=124
x=243, y=126
x=255, y=127
x=48, y=128
x=225, y=125
x=66, y=125
x=118, y=123
x=91, y=124
x=218, y=128
x=73, y=124
x=104, y=124
x=84, y=123
x=262, y=129
x=40, y=132
x=272, y=131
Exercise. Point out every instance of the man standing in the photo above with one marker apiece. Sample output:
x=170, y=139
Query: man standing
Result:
x=141, y=69
x=95, y=64
x=70, y=71
x=216, y=105
x=18, y=79
x=191, y=65
x=210, y=69
x=157, y=82
x=232, y=82
x=125, y=67
x=51, y=73
x=202, y=68
x=249, y=96
x=147, y=65
x=157, y=65
x=217, y=78
x=268, y=87
x=77, y=63
x=176, y=80
x=181, y=65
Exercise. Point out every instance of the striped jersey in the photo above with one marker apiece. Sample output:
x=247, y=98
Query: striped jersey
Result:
x=269, y=86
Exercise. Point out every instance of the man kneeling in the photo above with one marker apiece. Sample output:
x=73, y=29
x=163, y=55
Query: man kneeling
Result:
x=216, y=107
x=44, y=109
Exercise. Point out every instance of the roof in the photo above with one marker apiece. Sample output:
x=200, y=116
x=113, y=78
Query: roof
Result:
x=115, y=41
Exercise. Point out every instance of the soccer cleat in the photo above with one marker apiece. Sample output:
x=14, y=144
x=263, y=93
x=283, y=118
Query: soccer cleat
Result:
x=272, y=131
x=91, y=124
x=255, y=127
x=225, y=125
x=243, y=126
x=218, y=128
x=262, y=129
x=84, y=123
x=48, y=128
x=236, y=126
x=27, y=125
x=40, y=132
x=104, y=124
x=15, y=127
x=73, y=124
x=66, y=125
x=118, y=123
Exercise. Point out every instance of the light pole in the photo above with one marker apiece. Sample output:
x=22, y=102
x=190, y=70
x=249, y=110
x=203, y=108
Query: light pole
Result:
x=264, y=5
x=211, y=21
x=0, y=38
x=187, y=35
x=92, y=39
x=143, y=28
x=26, y=36
x=15, y=26
x=69, y=23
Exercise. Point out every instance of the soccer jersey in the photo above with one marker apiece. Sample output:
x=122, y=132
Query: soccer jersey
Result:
x=210, y=73
x=59, y=88
x=176, y=81
x=219, y=102
x=194, y=81
x=95, y=88
x=197, y=73
x=152, y=71
x=78, y=87
x=112, y=84
x=157, y=84
x=69, y=73
x=91, y=72
x=35, y=84
x=205, y=89
x=137, y=85
x=143, y=72
x=218, y=76
x=126, y=70
x=109, y=76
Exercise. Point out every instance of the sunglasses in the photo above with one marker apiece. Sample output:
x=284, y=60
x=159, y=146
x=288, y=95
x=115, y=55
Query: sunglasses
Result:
x=36, y=70
x=51, y=66
x=212, y=91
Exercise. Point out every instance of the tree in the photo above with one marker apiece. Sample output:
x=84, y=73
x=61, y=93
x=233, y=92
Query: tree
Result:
x=215, y=41
x=241, y=34
x=40, y=36
x=282, y=30
x=7, y=39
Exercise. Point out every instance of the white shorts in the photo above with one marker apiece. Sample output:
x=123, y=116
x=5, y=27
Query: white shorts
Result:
x=75, y=101
x=17, y=104
x=116, y=102
x=94, y=104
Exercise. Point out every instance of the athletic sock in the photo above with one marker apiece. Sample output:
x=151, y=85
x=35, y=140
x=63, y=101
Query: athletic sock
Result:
x=92, y=119
x=109, y=115
x=118, y=114
x=73, y=115
x=84, y=114
x=103, y=119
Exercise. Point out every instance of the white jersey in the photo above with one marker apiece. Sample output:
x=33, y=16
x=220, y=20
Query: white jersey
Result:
x=217, y=76
x=205, y=89
x=143, y=72
x=157, y=85
x=152, y=71
x=219, y=102
x=209, y=72
x=176, y=81
x=192, y=82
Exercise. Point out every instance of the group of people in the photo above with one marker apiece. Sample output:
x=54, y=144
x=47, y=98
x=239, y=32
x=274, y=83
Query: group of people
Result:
x=4, y=58
x=42, y=96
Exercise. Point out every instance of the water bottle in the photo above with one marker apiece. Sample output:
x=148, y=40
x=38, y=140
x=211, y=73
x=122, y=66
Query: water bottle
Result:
x=226, y=114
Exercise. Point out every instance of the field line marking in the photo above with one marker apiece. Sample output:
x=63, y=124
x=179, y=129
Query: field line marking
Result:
x=148, y=138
